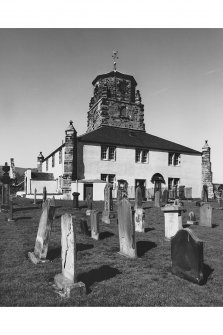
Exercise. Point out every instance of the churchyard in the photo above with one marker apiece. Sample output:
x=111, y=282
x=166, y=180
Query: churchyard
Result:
x=110, y=278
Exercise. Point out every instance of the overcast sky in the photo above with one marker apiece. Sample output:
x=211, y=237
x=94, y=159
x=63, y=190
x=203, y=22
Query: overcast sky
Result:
x=46, y=80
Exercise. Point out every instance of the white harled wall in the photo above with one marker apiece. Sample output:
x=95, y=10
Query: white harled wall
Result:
x=58, y=169
x=125, y=167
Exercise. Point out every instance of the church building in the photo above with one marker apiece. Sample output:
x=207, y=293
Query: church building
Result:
x=117, y=147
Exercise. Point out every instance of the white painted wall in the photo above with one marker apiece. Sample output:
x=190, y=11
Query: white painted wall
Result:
x=125, y=167
x=51, y=186
x=98, y=190
x=58, y=169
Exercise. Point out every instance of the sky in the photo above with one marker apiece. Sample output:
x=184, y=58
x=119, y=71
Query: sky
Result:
x=46, y=80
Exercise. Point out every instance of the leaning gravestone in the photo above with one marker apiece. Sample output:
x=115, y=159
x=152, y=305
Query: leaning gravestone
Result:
x=157, y=199
x=126, y=229
x=67, y=280
x=94, y=219
x=187, y=256
x=205, y=215
x=173, y=219
x=107, y=203
x=43, y=234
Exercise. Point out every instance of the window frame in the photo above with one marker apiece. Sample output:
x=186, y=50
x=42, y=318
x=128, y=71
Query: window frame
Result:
x=140, y=154
x=108, y=153
x=174, y=159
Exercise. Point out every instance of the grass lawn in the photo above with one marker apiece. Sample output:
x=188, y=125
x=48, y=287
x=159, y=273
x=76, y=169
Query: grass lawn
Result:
x=110, y=279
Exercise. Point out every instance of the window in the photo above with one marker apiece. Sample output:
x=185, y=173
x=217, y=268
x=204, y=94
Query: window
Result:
x=172, y=182
x=174, y=159
x=53, y=160
x=60, y=156
x=47, y=165
x=108, y=153
x=142, y=156
x=108, y=178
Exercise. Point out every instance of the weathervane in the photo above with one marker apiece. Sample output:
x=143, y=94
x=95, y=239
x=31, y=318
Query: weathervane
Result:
x=115, y=57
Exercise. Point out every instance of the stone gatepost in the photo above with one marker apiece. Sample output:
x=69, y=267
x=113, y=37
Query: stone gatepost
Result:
x=94, y=219
x=206, y=169
x=107, y=203
x=126, y=228
x=173, y=219
x=67, y=280
x=43, y=234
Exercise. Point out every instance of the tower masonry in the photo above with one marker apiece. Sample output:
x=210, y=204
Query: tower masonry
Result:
x=206, y=169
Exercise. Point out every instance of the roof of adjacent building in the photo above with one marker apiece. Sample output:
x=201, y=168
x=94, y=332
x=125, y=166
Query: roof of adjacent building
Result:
x=133, y=138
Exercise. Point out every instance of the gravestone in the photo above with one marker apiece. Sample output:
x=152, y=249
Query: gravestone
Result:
x=67, y=280
x=43, y=234
x=94, y=219
x=205, y=215
x=187, y=256
x=34, y=200
x=126, y=228
x=107, y=203
x=84, y=226
x=139, y=217
x=181, y=192
x=165, y=196
x=204, y=195
x=5, y=179
x=10, y=218
x=191, y=218
x=175, y=192
x=188, y=192
x=138, y=197
x=122, y=189
x=89, y=204
x=44, y=194
x=172, y=219
x=157, y=199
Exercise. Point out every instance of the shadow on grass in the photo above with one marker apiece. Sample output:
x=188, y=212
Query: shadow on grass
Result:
x=214, y=225
x=24, y=208
x=148, y=229
x=105, y=234
x=56, y=253
x=143, y=246
x=207, y=270
x=24, y=218
x=105, y=272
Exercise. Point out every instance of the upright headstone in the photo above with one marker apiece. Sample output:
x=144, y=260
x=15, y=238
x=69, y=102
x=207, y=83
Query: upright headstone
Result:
x=5, y=187
x=10, y=218
x=84, y=226
x=187, y=256
x=204, y=195
x=43, y=234
x=157, y=199
x=94, y=218
x=126, y=229
x=34, y=200
x=67, y=280
x=191, y=218
x=122, y=189
x=173, y=219
x=89, y=204
x=138, y=197
x=175, y=192
x=139, y=215
x=165, y=196
x=205, y=215
x=107, y=203
x=44, y=194
x=181, y=192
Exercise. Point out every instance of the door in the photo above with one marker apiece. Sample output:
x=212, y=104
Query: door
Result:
x=88, y=189
x=142, y=184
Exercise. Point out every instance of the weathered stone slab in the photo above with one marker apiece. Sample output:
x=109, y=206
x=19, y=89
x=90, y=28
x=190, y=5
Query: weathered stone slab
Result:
x=43, y=234
x=205, y=215
x=204, y=194
x=10, y=218
x=44, y=194
x=139, y=216
x=84, y=226
x=67, y=280
x=191, y=218
x=126, y=228
x=165, y=196
x=157, y=199
x=34, y=200
x=138, y=197
x=187, y=256
x=173, y=219
x=94, y=218
x=108, y=205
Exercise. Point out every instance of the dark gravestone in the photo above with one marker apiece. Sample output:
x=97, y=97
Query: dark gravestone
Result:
x=205, y=215
x=187, y=256
x=165, y=196
x=157, y=199
x=126, y=228
x=181, y=192
x=5, y=187
x=204, y=195
x=44, y=194
x=10, y=217
x=138, y=197
x=89, y=202
x=83, y=226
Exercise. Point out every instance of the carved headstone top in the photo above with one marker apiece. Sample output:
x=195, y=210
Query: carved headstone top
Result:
x=5, y=178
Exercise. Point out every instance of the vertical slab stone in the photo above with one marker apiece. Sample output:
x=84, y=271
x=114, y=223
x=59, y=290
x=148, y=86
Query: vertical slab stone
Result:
x=205, y=215
x=67, y=280
x=139, y=217
x=187, y=256
x=165, y=196
x=10, y=218
x=138, y=197
x=172, y=219
x=44, y=194
x=126, y=228
x=43, y=234
x=89, y=204
x=204, y=194
x=94, y=219
x=84, y=226
x=107, y=203
x=191, y=218
x=34, y=200
x=157, y=199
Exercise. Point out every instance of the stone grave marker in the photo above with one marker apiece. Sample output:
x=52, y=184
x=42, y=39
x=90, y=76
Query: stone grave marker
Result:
x=43, y=234
x=94, y=219
x=5, y=179
x=181, y=192
x=157, y=199
x=165, y=196
x=34, y=200
x=139, y=217
x=84, y=226
x=138, y=197
x=89, y=204
x=10, y=218
x=107, y=203
x=44, y=195
x=126, y=228
x=204, y=195
x=205, y=215
x=67, y=280
x=187, y=256
x=191, y=218
x=173, y=219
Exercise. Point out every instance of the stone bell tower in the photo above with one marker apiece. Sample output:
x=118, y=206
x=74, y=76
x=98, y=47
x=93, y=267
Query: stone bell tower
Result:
x=206, y=169
x=115, y=102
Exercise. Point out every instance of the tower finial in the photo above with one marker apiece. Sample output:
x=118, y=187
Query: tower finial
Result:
x=115, y=57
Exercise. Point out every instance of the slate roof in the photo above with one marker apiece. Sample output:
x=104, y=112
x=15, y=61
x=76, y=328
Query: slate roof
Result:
x=134, y=139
